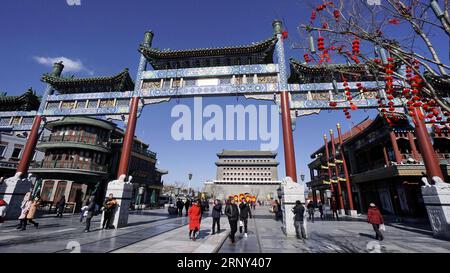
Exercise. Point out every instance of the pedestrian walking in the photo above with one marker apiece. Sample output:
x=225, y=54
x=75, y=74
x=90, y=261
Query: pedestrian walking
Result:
x=91, y=212
x=334, y=209
x=375, y=218
x=32, y=212
x=3, y=209
x=60, y=206
x=195, y=215
x=311, y=209
x=25, y=207
x=108, y=209
x=320, y=207
x=187, y=205
x=83, y=212
x=277, y=210
x=180, y=206
x=216, y=213
x=299, y=223
x=232, y=212
x=244, y=213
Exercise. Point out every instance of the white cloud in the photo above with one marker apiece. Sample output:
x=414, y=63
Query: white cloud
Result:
x=70, y=65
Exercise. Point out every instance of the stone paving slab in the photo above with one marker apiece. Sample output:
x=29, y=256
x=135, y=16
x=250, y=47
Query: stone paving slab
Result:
x=58, y=234
x=327, y=236
x=177, y=241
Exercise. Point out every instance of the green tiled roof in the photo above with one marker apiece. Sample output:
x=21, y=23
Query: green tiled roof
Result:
x=119, y=82
x=28, y=101
x=260, y=52
x=440, y=83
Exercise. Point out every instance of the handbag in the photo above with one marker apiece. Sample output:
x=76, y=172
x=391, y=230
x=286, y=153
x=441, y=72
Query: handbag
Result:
x=382, y=227
x=241, y=224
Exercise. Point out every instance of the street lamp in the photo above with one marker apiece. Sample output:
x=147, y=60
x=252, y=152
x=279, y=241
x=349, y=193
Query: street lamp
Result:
x=189, y=186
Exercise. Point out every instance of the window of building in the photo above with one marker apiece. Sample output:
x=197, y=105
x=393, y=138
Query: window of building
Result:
x=16, y=153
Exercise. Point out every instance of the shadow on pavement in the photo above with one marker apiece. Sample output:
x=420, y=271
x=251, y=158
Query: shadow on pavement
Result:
x=415, y=230
x=146, y=222
x=367, y=235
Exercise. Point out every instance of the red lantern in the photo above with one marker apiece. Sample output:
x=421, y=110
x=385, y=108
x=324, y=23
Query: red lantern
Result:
x=393, y=21
x=355, y=46
x=306, y=57
x=313, y=15
x=336, y=14
x=320, y=44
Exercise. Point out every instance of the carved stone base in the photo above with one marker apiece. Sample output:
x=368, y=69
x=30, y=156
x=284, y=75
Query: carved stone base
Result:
x=122, y=192
x=437, y=202
x=353, y=213
x=13, y=190
x=342, y=211
x=291, y=192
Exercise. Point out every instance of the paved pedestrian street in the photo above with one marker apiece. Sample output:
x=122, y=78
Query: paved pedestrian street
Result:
x=66, y=234
x=345, y=236
x=154, y=231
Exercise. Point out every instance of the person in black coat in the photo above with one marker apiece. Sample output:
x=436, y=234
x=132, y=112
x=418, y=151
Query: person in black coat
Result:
x=90, y=213
x=180, y=205
x=244, y=213
x=299, y=212
x=216, y=213
x=320, y=206
x=60, y=206
x=187, y=205
x=232, y=211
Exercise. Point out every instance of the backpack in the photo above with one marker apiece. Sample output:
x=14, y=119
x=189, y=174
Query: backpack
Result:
x=275, y=208
x=97, y=210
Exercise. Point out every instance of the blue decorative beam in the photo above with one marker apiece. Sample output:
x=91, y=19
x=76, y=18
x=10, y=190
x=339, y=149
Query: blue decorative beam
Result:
x=211, y=71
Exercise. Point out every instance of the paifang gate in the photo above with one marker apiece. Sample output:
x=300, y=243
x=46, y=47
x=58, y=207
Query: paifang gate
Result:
x=256, y=71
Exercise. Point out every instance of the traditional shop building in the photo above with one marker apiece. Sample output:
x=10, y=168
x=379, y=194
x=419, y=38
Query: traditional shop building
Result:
x=82, y=153
x=81, y=157
x=253, y=172
x=13, y=143
x=384, y=164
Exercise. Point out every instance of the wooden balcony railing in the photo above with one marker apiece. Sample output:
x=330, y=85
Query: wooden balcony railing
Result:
x=74, y=165
x=83, y=139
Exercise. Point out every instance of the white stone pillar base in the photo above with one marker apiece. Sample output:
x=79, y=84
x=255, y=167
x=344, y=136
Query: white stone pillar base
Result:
x=342, y=211
x=13, y=190
x=437, y=202
x=353, y=213
x=122, y=192
x=291, y=192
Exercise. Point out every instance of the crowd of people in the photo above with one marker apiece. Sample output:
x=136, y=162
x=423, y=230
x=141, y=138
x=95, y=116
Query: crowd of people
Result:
x=237, y=211
x=235, y=214
x=30, y=205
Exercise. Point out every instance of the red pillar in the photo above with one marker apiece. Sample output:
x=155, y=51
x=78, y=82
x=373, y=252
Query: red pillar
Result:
x=344, y=164
x=327, y=154
x=397, y=155
x=414, y=151
x=289, y=154
x=386, y=158
x=30, y=146
x=128, y=138
x=429, y=156
x=333, y=149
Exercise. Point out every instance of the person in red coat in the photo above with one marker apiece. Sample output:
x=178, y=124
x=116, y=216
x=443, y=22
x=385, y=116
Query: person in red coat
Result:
x=195, y=215
x=375, y=218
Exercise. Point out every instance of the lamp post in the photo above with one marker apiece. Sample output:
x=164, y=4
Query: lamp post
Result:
x=189, y=185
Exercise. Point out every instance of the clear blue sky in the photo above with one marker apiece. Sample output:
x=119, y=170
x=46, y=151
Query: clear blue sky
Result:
x=103, y=36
